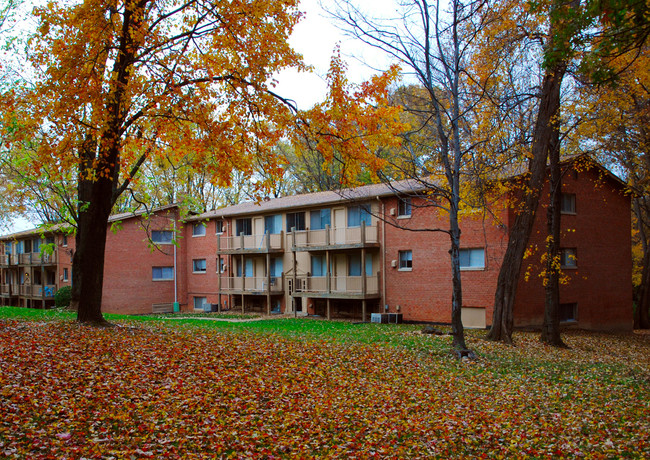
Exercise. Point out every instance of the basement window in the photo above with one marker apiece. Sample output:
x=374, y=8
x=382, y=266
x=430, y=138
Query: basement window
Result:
x=568, y=312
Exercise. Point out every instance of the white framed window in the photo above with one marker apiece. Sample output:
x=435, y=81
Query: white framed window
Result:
x=162, y=273
x=65, y=275
x=219, y=226
x=404, y=207
x=221, y=265
x=198, y=229
x=406, y=260
x=568, y=203
x=472, y=259
x=64, y=241
x=568, y=258
x=198, y=266
x=200, y=303
x=162, y=236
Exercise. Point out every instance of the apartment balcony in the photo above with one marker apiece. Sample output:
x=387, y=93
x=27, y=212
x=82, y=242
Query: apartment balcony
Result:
x=339, y=287
x=251, y=244
x=7, y=260
x=334, y=238
x=6, y=290
x=35, y=291
x=255, y=285
x=36, y=258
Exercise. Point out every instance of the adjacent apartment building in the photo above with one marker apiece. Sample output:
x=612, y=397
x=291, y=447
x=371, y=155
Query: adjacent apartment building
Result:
x=348, y=254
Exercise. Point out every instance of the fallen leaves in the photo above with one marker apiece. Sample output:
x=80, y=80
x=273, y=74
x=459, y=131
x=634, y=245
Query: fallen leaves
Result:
x=156, y=391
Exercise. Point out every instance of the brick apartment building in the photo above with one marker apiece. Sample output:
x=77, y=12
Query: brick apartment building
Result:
x=346, y=254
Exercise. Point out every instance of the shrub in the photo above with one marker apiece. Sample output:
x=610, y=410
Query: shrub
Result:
x=62, y=297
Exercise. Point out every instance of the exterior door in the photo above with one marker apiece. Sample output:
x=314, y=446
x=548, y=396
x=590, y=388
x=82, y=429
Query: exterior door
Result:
x=339, y=225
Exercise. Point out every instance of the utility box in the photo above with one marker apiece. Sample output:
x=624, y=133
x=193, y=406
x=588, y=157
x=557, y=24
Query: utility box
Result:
x=394, y=318
x=378, y=318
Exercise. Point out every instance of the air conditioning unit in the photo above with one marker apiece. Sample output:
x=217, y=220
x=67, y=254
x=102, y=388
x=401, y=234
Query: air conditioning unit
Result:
x=378, y=318
x=392, y=211
x=393, y=263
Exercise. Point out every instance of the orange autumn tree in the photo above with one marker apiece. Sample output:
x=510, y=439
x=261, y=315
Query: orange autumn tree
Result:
x=117, y=83
x=354, y=129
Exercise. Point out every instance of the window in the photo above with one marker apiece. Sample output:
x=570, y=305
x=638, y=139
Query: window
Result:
x=200, y=303
x=198, y=265
x=27, y=246
x=319, y=219
x=65, y=275
x=273, y=224
x=198, y=229
x=295, y=220
x=244, y=226
x=404, y=207
x=568, y=312
x=354, y=265
x=162, y=236
x=162, y=273
x=248, y=268
x=472, y=259
x=7, y=248
x=64, y=242
x=276, y=267
x=405, y=260
x=36, y=245
x=221, y=265
x=568, y=203
x=568, y=258
x=358, y=214
x=219, y=226
x=318, y=266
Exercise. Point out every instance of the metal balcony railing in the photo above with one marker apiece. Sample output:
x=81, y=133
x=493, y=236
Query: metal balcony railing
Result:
x=252, y=284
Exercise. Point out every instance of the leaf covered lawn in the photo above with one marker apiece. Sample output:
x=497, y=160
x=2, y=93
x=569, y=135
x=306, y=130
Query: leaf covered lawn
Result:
x=163, y=390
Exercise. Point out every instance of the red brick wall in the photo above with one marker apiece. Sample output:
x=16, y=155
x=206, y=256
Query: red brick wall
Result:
x=128, y=284
x=424, y=293
x=201, y=247
x=600, y=231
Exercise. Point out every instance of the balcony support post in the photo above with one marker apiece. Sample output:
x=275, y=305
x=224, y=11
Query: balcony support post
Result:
x=243, y=276
x=268, y=273
x=363, y=271
x=295, y=272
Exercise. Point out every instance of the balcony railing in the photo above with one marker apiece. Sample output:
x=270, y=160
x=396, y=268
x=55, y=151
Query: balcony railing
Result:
x=5, y=289
x=252, y=284
x=262, y=243
x=36, y=290
x=9, y=259
x=334, y=236
x=35, y=258
x=345, y=285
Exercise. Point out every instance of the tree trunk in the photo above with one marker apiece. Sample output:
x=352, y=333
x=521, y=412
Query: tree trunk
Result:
x=641, y=319
x=551, y=326
x=92, y=229
x=504, y=298
x=457, y=330
x=549, y=106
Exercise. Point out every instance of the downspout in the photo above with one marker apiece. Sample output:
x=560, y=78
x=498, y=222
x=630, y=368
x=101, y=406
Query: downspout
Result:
x=175, y=265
